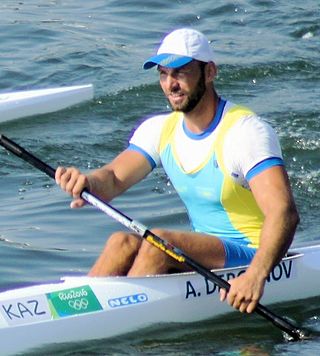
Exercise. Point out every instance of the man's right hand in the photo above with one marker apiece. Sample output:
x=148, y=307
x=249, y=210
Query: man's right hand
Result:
x=72, y=181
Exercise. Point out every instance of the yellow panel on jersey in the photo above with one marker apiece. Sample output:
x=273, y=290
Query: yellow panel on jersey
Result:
x=168, y=129
x=239, y=203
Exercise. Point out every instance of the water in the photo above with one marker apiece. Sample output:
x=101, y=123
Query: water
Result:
x=268, y=58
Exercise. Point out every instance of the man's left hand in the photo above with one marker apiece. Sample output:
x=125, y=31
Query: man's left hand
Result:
x=244, y=293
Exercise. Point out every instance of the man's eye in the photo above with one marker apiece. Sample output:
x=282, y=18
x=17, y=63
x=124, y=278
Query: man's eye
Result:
x=182, y=73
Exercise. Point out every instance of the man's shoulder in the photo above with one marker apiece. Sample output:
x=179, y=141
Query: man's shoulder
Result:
x=156, y=117
x=159, y=122
x=238, y=110
x=151, y=121
x=245, y=118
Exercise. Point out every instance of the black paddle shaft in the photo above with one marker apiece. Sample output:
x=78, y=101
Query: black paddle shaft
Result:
x=25, y=155
x=281, y=323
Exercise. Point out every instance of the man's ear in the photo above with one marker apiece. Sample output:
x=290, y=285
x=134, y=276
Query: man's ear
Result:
x=211, y=71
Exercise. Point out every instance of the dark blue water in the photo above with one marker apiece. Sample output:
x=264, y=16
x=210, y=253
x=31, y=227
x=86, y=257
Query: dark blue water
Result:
x=268, y=58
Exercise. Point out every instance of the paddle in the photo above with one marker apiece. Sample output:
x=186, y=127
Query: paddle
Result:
x=145, y=233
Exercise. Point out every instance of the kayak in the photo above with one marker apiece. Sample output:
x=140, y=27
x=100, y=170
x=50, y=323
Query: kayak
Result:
x=84, y=308
x=15, y=105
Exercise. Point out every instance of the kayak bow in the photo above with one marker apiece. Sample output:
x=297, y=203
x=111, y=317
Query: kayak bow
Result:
x=19, y=104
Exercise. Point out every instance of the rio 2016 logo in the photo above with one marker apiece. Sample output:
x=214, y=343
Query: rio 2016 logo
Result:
x=73, y=293
x=79, y=304
x=73, y=301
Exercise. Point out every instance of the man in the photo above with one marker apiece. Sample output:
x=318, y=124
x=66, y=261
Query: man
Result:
x=225, y=164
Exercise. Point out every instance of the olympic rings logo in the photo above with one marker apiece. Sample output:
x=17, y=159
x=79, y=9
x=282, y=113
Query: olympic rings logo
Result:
x=79, y=304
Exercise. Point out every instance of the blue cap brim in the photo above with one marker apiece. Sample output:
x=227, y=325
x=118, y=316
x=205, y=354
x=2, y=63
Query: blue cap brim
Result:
x=167, y=60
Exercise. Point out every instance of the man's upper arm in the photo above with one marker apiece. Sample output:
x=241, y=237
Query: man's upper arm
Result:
x=129, y=167
x=271, y=189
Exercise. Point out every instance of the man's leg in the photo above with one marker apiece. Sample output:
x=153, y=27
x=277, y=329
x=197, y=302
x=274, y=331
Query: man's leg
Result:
x=117, y=256
x=206, y=250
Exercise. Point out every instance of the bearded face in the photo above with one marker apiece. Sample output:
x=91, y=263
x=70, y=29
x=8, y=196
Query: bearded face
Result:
x=184, y=87
x=193, y=97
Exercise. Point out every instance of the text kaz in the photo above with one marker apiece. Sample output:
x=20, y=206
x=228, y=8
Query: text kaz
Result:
x=25, y=310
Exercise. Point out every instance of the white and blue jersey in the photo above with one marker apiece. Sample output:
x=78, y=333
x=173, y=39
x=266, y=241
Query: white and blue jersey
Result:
x=210, y=171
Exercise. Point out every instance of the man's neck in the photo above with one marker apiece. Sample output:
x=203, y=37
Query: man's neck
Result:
x=202, y=115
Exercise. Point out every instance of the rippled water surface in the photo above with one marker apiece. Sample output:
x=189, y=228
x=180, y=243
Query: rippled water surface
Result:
x=268, y=58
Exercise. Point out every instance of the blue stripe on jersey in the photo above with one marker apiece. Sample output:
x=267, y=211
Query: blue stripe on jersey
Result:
x=211, y=127
x=263, y=165
x=133, y=147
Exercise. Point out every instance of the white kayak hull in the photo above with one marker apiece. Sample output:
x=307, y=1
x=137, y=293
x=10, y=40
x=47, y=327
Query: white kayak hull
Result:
x=84, y=308
x=19, y=104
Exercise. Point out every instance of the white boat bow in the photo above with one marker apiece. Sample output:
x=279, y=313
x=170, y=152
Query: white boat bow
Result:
x=14, y=105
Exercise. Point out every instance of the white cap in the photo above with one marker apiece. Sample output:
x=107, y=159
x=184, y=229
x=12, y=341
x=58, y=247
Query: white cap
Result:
x=181, y=47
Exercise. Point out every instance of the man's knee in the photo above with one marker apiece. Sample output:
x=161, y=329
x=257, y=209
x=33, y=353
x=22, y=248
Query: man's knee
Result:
x=123, y=240
x=149, y=251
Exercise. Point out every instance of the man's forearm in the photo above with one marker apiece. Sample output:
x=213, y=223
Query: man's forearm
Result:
x=276, y=237
x=103, y=183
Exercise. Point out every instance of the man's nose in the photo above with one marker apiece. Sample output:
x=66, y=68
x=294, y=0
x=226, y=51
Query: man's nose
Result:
x=172, y=82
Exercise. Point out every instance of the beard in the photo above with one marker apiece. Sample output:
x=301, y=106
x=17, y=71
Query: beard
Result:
x=193, y=98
